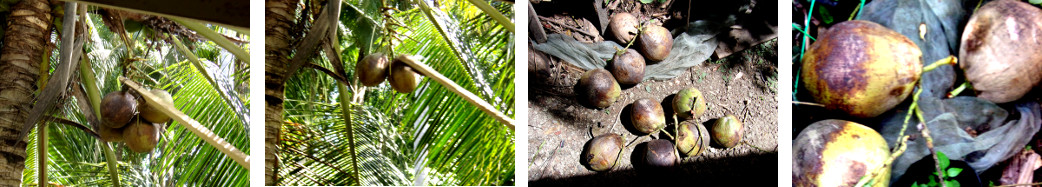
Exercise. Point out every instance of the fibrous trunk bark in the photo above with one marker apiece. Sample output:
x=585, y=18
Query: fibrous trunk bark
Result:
x=27, y=33
x=279, y=16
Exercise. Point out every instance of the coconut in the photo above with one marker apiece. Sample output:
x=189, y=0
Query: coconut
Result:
x=1001, y=50
x=628, y=67
x=727, y=131
x=403, y=78
x=647, y=115
x=655, y=42
x=624, y=27
x=861, y=68
x=689, y=103
x=117, y=109
x=838, y=153
x=692, y=138
x=141, y=136
x=598, y=88
x=110, y=134
x=602, y=152
x=150, y=113
x=372, y=70
x=660, y=153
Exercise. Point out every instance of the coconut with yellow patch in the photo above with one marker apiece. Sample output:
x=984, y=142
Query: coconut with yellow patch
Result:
x=861, y=68
x=838, y=153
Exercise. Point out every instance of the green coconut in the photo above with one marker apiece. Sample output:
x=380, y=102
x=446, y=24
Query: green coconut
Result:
x=727, y=131
x=150, y=113
x=689, y=103
x=692, y=138
x=141, y=136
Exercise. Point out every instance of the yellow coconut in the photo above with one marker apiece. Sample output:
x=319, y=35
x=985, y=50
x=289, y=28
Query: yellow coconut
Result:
x=838, y=153
x=861, y=68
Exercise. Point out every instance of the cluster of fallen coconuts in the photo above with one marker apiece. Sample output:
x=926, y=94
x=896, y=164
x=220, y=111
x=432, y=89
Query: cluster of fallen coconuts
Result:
x=864, y=69
x=600, y=87
x=125, y=118
x=374, y=68
x=692, y=138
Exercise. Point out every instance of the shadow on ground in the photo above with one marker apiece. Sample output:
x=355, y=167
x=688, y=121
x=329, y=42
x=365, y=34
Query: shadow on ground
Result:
x=757, y=169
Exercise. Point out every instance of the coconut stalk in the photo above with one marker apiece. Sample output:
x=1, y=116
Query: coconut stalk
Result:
x=198, y=129
x=217, y=38
x=495, y=14
x=455, y=88
x=41, y=154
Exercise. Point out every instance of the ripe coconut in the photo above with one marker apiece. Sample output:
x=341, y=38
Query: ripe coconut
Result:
x=117, y=109
x=647, y=115
x=602, y=152
x=110, y=134
x=660, y=153
x=727, y=131
x=598, y=88
x=838, y=153
x=372, y=70
x=628, y=67
x=624, y=27
x=403, y=78
x=689, y=103
x=861, y=68
x=655, y=42
x=141, y=136
x=1001, y=50
x=692, y=138
x=150, y=113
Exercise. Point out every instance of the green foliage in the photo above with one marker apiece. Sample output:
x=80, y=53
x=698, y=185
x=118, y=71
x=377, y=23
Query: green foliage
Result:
x=949, y=173
x=428, y=137
x=181, y=158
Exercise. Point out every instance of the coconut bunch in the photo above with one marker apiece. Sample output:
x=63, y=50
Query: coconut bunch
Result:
x=125, y=118
x=375, y=68
x=647, y=117
x=599, y=88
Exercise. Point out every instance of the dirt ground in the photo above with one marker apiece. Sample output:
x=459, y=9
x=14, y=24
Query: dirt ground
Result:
x=559, y=125
x=743, y=84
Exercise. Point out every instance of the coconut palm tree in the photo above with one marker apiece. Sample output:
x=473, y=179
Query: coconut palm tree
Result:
x=324, y=128
x=201, y=64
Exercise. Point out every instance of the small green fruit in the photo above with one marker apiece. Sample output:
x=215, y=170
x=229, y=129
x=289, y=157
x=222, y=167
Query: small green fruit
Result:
x=727, y=131
x=689, y=103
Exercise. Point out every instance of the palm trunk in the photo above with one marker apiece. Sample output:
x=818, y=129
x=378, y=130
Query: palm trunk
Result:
x=20, y=56
x=279, y=17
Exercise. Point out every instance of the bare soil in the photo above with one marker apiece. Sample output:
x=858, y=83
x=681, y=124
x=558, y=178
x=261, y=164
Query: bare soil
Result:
x=743, y=84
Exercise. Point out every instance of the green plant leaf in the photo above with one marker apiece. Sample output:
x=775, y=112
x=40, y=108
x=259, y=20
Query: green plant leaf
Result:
x=943, y=160
x=952, y=183
x=952, y=172
x=645, y=1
